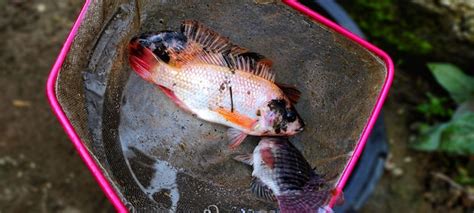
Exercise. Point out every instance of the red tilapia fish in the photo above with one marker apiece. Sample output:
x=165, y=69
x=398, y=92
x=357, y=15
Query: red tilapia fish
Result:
x=205, y=74
x=281, y=173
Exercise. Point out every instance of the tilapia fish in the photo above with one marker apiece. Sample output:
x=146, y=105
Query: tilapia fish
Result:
x=205, y=74
x=281, y=173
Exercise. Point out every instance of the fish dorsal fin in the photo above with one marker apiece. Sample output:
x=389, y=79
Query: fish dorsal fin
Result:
x=241, y=63
x=209, y=39
x=212, y=58
x=212, y=43
x=236, y=50
x=257, y=57
x=249, y=64
x=290, y=91
x=261, y=190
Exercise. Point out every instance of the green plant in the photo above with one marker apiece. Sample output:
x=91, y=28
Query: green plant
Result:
x=384, y=22
x=457, y=135
x=459, y=85
x=463, y=177
x=435, y=107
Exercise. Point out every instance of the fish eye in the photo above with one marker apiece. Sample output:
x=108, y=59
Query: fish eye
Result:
x=290, y=116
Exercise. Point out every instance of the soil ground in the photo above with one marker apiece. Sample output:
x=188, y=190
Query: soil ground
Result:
x=39, y=169
x=409, y=183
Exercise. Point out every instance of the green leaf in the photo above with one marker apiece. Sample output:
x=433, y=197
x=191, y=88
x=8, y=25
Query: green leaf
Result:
x=463, y=177
x=459, y=85
x=455, y=136
x=458, y=136
x=435, y=107
x=464, y=108
x=430, y=138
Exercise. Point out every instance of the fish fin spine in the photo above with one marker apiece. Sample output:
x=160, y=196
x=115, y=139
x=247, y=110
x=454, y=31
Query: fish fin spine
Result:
x=251, y=65
x=210, y=40
x=261, y=190
x=257, y=57
x=245, y=64
x=212, y=43
x=236, y=137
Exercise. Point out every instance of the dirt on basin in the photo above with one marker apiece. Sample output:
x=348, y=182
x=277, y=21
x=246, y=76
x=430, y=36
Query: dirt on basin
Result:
x=40, y=170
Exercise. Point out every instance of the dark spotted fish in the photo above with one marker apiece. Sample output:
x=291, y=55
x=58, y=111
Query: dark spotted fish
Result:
x=205, y=74
x=282, y=174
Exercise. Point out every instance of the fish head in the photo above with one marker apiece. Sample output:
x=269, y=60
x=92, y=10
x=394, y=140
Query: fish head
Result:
x=279, y=117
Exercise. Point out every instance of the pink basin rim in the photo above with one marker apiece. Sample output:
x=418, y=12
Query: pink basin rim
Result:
x=96, y=171
x=66, y=124
x=380, y=100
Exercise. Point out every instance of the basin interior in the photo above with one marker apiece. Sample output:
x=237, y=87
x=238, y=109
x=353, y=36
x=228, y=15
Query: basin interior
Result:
x=157, y=156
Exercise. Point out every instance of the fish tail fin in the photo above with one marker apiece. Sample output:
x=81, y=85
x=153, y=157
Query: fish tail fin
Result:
x=313, y=198
x=142, y=59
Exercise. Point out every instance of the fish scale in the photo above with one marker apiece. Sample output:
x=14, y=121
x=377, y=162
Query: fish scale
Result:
x=291, y=169
x=199, y=87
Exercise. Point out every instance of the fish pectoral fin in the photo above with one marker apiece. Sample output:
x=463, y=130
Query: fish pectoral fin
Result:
x=236, y=137
x=261, y=190
x=245, y=158
x=237, y=118
x=290, y=91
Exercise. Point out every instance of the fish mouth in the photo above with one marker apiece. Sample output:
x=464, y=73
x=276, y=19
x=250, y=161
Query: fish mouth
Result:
x=300, y=129
x=302, y=125
x=142, y=41
x=134, y=46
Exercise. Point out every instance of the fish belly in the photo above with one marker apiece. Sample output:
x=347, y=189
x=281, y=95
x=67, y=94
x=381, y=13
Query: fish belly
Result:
x=205, y=88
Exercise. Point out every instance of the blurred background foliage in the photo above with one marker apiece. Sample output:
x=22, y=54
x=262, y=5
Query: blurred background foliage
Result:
x=385, y=27
x=432, y=44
